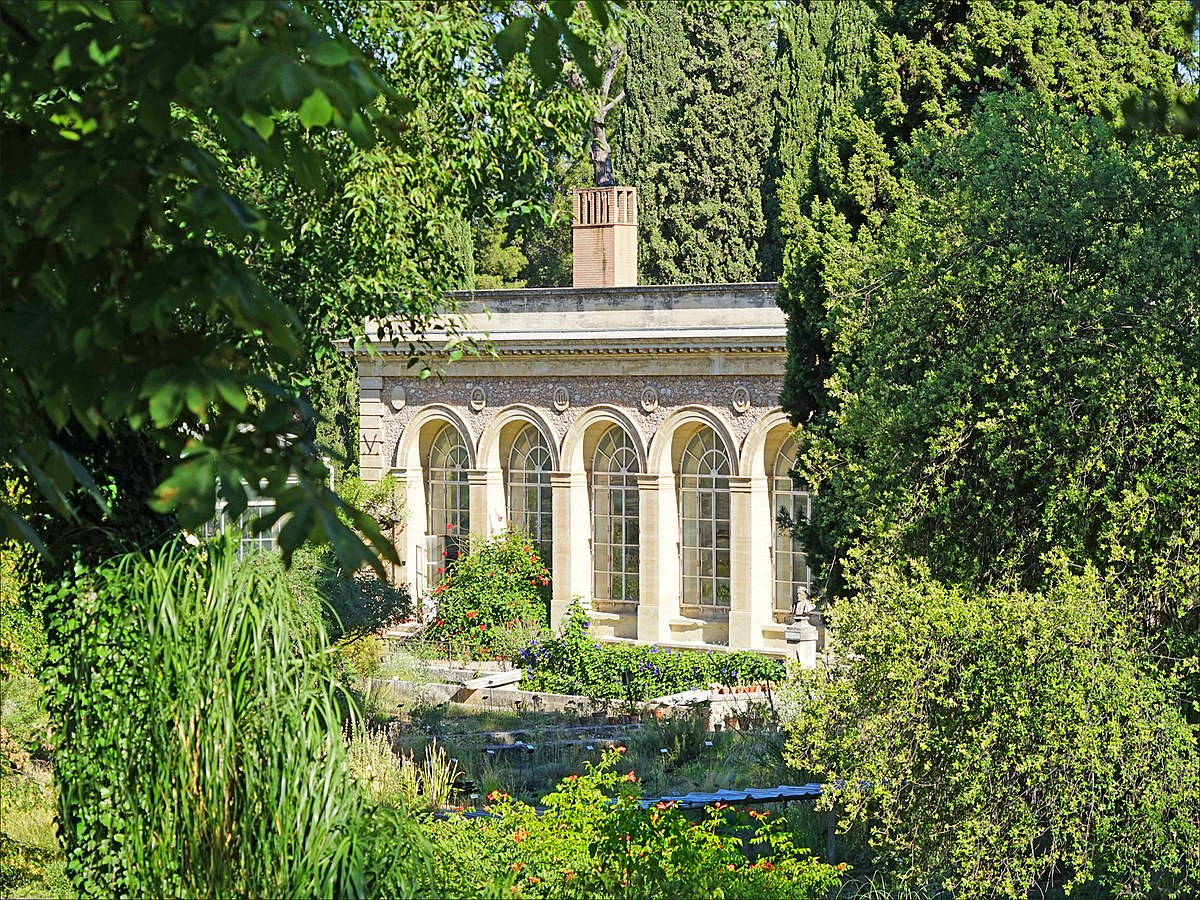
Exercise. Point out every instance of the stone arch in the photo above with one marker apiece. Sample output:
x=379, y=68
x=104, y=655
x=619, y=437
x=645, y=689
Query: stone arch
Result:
x=417, y=434
x=497, y=437
x=588, y=427
x=672, y=434
x=763, y=442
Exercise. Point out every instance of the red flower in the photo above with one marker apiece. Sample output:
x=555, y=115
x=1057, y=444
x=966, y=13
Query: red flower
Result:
x=572, y=778
x=629, y=777
x=483, y=628
x=472, y=613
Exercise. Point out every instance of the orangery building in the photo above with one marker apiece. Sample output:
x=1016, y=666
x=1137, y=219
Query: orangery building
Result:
x=633, y=431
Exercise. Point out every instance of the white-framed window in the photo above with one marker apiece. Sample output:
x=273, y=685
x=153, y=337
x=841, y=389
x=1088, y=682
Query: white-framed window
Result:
x=449, y=499
x=792, y=575
x=615, y=518
x=704, y=522
x=530, y=496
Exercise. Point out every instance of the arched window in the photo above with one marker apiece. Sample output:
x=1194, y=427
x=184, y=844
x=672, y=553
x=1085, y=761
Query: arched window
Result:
x=704, y=522
x=449, y=495
x=529, y=492
x=615, y=529
x=791, y=567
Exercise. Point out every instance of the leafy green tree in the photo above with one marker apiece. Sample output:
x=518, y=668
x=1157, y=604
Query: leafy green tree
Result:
x=159, y=167
x=1003, y=743
x=873, y=76
x=1019, y=370
x=693, y=135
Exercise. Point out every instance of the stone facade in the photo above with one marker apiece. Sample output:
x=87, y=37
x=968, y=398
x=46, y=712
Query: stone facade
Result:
x=676, y=369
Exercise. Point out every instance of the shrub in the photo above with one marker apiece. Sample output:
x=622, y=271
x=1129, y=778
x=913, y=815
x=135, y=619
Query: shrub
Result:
x=575, y=663
x=1007, y=743
x=195, y=714
x=595, y=840
x=499, y=585
x=349, y=606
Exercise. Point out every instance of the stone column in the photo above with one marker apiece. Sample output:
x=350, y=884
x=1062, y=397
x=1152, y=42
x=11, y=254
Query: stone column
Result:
x=488, y=508
x=658, y=581
x=572, y=568
x=752, y=575
x=370, y=426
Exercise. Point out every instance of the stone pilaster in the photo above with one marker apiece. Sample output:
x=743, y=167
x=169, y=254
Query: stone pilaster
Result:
x=370, y=427
x=658, y=583
x=751, y=573
x=488, y=508
x=572, y=569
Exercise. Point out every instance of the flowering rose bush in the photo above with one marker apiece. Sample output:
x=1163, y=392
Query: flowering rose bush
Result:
x=594, y=840
x=575, y=663
x=498, y=586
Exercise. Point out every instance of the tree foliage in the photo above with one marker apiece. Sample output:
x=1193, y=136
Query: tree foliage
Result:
x=1003, y=743
x=875, y=76
x=1023, y=357
x=195, y=201
x=693, y=135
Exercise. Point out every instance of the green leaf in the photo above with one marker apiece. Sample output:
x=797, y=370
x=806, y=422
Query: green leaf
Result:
x=329, y=53
x=512, y=38
x=316, y=110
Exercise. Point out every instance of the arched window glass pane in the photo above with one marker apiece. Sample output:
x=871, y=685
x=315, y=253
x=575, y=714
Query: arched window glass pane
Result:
x=704, y=522
x=449, y=494
x=792, y=577
x=529, y=492
x=615, y=528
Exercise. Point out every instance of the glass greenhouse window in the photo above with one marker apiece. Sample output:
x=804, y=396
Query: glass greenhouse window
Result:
x=791, y=566
x=530, y=497
x=704, y=522
x=449, y=496
x=615, y=526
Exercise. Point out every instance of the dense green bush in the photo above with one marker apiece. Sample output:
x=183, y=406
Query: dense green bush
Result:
x=1004, y=744
x=498, y=586
x=575, y=663
x=594, y=840
x=198, y=751
x=349, y=606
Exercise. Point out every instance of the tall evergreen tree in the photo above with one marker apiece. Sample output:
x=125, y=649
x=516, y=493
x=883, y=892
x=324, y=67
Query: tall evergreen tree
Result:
x=863, y=78
x=693, y=137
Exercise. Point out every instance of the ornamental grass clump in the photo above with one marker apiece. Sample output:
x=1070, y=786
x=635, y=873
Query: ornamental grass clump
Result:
x=199, y=751
x=498, y=588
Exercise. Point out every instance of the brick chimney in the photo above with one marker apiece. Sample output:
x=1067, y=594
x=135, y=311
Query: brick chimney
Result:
x=604, y=236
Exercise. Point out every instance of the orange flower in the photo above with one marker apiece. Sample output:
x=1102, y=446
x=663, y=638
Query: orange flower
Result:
x=572, y=778
x=472, y=613
x=629, y=777
x=730, y=866
x=619, y=749
x=517, y=866
x=520, y=835
x=568, y=874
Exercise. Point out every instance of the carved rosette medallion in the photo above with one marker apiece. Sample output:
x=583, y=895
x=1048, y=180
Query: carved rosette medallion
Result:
x=560, y=398
x=478, y=398
x=398, y=398
x=741, y=399
x=649, y=399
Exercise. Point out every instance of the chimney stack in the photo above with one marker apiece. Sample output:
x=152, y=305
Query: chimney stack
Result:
x=604, y=236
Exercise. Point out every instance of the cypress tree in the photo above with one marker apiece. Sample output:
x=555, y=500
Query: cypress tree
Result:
x=693, y=137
